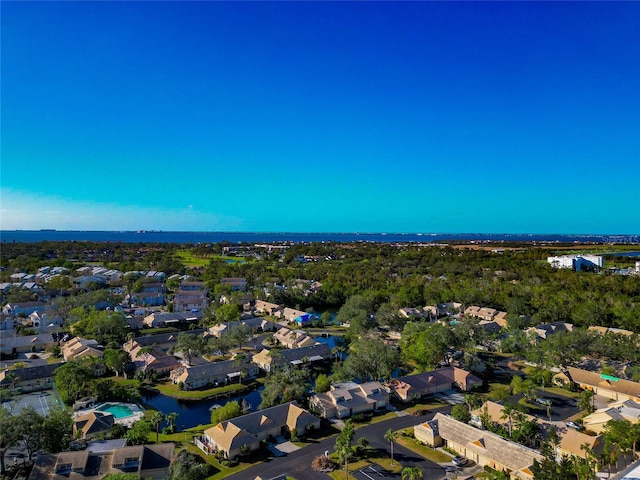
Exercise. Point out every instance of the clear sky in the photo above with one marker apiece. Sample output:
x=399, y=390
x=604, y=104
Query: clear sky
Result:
x=321, y=116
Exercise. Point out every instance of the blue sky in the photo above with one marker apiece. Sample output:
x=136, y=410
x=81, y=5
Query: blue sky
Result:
x=313, y=116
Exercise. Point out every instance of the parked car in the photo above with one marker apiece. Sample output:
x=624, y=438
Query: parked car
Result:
x=575, y=426
x=459, y=461
x=543, y=401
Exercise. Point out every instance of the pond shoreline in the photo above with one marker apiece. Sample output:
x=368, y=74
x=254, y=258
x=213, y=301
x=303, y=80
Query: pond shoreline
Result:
x=184, y=397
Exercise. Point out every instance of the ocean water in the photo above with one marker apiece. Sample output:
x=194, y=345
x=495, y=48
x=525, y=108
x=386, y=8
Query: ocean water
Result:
x=292, y=237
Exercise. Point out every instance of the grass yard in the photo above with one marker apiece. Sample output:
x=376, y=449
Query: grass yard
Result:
x=189, y=259
x=421, y=449
x=172, y=390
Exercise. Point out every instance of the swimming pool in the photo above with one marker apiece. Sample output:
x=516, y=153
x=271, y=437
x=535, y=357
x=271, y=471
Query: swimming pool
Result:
x=117, y=410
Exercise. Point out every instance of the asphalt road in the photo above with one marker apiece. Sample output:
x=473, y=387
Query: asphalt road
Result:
x=561, y=407
x=298, y=464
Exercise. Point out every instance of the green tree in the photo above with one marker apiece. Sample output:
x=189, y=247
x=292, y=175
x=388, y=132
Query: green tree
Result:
x=585, y=401
x=155, y=421
x=10, y=434
x=285, y=384
x=189, y=466
x=73, y=381
x=117, y=360
x=343, y=445
x=225, y=412
x=138, y=434
x=411, y=473
x=56, y=430
x=190, y=346
x=227, y=313
x=371, y=359
x=461, y=413
x=323, y=384
x=391, y=437
x=171, y=420
x=31, y=428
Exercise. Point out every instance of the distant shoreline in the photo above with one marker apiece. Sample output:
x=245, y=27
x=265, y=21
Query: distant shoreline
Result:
x=158, y=236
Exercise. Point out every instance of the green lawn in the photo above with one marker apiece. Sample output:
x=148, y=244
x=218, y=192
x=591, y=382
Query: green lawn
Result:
x=189, y=259
x=421, y=449
x=172, y=390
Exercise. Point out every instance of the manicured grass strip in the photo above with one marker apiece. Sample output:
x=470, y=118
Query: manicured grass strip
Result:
x=426, y=452
x=172, y=390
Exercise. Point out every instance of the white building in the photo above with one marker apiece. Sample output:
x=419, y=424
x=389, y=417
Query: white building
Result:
x=576, y=262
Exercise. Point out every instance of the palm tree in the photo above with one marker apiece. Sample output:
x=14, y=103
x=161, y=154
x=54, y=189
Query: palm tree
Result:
x=171, y=419
x=391, y=437
x=155, y=420
x=412, y=473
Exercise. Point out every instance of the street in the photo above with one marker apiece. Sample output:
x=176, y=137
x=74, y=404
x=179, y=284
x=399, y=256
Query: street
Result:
x=298, y=464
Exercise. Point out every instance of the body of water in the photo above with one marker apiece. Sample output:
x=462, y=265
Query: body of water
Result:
x=284, y=237
x=194, y=413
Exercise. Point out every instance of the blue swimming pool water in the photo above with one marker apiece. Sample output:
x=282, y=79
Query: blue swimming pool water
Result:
x=118, y=411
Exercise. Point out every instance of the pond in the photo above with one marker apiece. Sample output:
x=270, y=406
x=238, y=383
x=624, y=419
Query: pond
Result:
x=194, y=413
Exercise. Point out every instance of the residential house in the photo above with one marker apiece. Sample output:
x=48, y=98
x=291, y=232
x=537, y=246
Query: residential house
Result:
x=213, y=373
x=29, y=379
x=143, y=461
x=293, y=338
x=545, y=330
x=92, y=424
x=628, y=410
x=164, y=341
x=570, y=441
x=245, y=432
x=267, y=359
x=255, y=324
x=412, y=387
x=43, y=321
x=289, y=314
x=349, y=398
x=306, y=319
x=482, y=447
x=85, y=281
x=81, y=348
x=23, y=308
x=236, y=284
x=190, y=301
x=600, y=384
x=413, y=313
x=167, y=319
x=487, y=314
x=29, y=343
x=266, y=308
x=604, y=330
x=147, y=299
x=155, y=359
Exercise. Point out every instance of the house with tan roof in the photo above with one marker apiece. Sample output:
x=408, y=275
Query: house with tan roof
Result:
x=266, y=308
x=92, y=424
x=570, y=441
x=77, y=348
x=266, y=359
x=412, y=387
x=289, y=314
x=600, y=384
x=244, y=433
x=293, y=338
x=346, y=399
x=628, y=410
x=483, y=447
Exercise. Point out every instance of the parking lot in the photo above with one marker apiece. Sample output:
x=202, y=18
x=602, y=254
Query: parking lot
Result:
x=373, y=472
